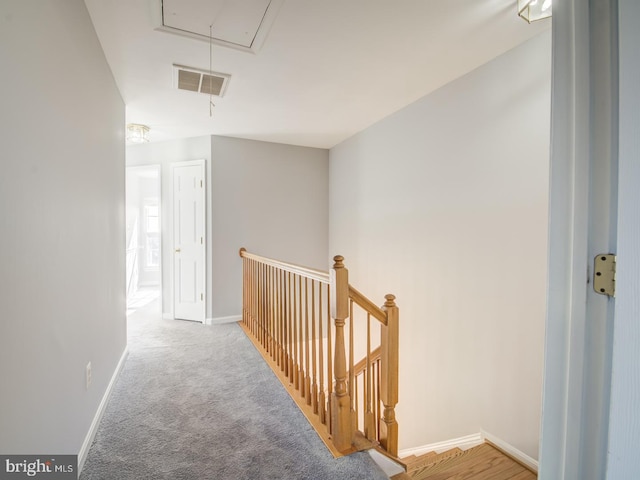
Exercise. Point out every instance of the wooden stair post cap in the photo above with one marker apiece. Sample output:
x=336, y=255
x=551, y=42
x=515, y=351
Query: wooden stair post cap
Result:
x=390, y=300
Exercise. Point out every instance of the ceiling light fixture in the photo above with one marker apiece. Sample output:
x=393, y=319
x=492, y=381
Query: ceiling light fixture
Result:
x=533, y=10
x=137, y=133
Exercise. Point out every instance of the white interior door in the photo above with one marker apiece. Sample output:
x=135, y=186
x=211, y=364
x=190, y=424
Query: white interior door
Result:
x=188, y=240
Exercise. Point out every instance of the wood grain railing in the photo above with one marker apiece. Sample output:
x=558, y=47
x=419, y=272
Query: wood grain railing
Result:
x=309, y=326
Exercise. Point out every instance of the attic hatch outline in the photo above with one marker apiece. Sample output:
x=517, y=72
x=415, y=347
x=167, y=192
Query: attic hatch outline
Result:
x=262, y=31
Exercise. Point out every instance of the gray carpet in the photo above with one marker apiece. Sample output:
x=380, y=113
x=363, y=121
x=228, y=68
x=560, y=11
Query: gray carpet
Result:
x=198, y=402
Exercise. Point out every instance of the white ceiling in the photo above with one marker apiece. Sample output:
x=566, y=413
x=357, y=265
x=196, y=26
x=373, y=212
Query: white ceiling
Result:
x=326, y=70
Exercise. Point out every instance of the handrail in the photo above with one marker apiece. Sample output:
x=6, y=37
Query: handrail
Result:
x=302, y=321
x=361, y=366
x=367, y=305
x=307, y=272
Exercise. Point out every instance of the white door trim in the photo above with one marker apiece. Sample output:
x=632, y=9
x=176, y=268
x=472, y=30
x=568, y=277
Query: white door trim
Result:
x=624, y=418
x=582, y=221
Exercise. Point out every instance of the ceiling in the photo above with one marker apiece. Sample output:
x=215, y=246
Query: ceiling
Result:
x=321, y=72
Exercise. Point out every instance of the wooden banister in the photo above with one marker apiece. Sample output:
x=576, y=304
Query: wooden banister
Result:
x=367, y=305
x=302, y=321
x=304, y=272
x=359, y=367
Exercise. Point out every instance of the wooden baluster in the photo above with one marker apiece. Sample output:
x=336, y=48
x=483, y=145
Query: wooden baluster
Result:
x=272, y=313
x=276, y=279
x=321, y=396
x=389, y=349
x=267, y=308
x=263, y=306
x=250, y=299
x=285, y=325
x=272, y=310
x=352, y=381
x=300, y=380
x=285, y=293
x=377, y=402
x=280, y=321
x=256, y=296
x=369, y=420
x=264, y=318
x=247, y=273
x=342, y=427
x=307, y=365
x=296, y=383
x=292, y=373
x=329, y=360
x=261, y=313
x=244, y=287
x=355, y=412
x=256, y=333
x=314, y=350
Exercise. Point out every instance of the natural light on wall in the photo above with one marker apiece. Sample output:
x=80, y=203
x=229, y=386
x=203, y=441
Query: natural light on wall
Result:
x=532, y=10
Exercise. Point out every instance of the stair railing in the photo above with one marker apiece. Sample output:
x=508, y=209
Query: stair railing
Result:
x=309, y=326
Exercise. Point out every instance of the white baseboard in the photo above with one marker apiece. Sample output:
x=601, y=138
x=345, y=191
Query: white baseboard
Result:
x=511, y=450
x=388, y=466
x=167, y=316
x=91, y=434
x=463, y=443
x=220, y=320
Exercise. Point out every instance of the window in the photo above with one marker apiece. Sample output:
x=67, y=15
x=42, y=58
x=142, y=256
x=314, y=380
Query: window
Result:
x=152, y=235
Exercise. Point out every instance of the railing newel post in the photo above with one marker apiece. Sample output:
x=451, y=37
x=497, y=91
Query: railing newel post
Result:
x=341, y=422
x=389, y=348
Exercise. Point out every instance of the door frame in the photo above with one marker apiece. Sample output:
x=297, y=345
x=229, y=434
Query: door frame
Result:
x=202, y=164
x=582, y=223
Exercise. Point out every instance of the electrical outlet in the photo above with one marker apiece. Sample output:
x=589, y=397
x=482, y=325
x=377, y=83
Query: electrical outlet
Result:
x=88, y=376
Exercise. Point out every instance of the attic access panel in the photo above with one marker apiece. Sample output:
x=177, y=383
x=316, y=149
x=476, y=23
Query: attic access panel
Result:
x=240, y=24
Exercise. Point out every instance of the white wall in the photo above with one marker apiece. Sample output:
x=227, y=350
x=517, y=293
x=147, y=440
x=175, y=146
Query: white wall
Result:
x=62, y=281
x=271, y=199
x=444, y=204
x=164, y=154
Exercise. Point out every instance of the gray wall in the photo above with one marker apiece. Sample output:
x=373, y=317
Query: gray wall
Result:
x=164, y=154
x=62, y=279
x=271, y=199
x=445, y=205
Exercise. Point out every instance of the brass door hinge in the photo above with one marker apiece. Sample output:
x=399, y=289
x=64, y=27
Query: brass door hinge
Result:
x=604, y=274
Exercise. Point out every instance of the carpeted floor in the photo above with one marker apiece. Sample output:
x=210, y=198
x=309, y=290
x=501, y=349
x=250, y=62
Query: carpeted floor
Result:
x=198, y=402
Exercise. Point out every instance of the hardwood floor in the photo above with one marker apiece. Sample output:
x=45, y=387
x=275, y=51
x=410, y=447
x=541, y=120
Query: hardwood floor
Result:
x=483, y=462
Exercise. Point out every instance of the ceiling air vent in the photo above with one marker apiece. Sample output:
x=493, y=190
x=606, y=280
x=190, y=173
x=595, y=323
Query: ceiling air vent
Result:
x=202, y=81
